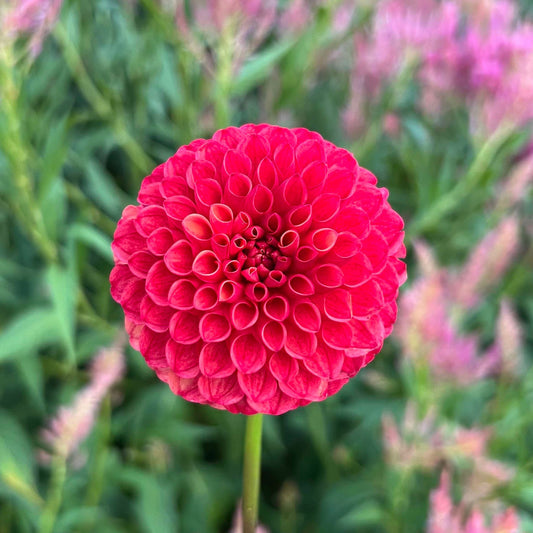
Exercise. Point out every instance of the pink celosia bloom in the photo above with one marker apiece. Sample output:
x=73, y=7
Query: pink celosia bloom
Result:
x=72, y=424
x=428, y=334
x=35, y=18
x=509, y=335
x=487, y=263
x=260, y=270
x=247, y=22
x=445, y=517
x=515, y=187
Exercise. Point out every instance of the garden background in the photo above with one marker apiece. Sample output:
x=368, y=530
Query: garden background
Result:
x=434, y=97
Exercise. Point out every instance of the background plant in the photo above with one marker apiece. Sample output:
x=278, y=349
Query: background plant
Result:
x=94, y=94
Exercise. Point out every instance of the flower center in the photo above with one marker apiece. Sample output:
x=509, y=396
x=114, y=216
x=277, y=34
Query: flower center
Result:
x=264, y=252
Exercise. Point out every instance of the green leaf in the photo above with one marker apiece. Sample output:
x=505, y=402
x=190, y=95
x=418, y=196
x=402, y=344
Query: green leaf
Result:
x=17, y=463
x=259, y=67
x=93, y=238
x=28, y=332
x=62, y=284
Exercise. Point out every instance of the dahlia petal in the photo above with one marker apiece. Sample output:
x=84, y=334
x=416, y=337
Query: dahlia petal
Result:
x=326, y=207
x=322, y=240
x=134, y=332
x=352, y=365
x=368, y=333
x=347, y=245
x=338, y=335
x=300, y=285
x=247, y=353
x=274, y=335
x=278, y=135
x=176, y=186
x=266, y=173
x=197, y=228
x=120, y=277
x=179, y=258
x=256, y=147
x=335, y=386
x=244, y=315
x=131, y=297
x=356, y=270
x=152, y=348
x=314, y=174
x=340, y=157
x=279, y=404
x=183, y=358
x=388, y=282
x=229, y=291
x=326, y=363
x=207, y=266
x=370, y=199
x=149, y=219
x=242, y=222
x=221, y=218
x=306, y=316
x=181, y=294
x=305, y=258
x=354, y=219
x=309, y=152
x=274, y=224
x=214, y=327
x=150, y=193
x=367, y=299
x=305, y=385
x=238, y=187
x=300, y=218
x=338, y=305
x=340, y=181
x=229, y=137
x=215, y=360
x=183, y=327
x=178, y=207
x=275, y=278
x=259, y=202
x=158, y=282
x=277, y=308
x=375, y=247
x=328, y=276
x=259, y=386
x=206, y=193
x=389, y=223
x=236, y=162
x=257, y=292
x=299, y=344
x=401, y=269
x=224, y=391
x=388, y=316
x=284, y=160
x=178, y=164
x=212, y=151
x=141, y=262
x=187, y=388
x=365, y=176
x=283, y=366
x=241, y=407
x=232, y=269
x=220, y=244
x=156, y=317
x=159, y=241
x=126, y=240
x=200, y=170
x=292, y=192
x=289, y=242
x=205, y=298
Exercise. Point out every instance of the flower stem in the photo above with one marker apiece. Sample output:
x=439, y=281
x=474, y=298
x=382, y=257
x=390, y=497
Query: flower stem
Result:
x=251, y=472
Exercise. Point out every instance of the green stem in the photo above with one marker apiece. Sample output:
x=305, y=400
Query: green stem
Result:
x=251, y=472
x=55, y=495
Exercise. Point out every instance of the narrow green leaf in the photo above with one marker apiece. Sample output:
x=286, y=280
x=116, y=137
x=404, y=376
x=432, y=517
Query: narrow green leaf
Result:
x=93, y=238
x=28, y=332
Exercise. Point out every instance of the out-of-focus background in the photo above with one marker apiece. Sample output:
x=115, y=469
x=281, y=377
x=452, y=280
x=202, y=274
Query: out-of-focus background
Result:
x=435, y=97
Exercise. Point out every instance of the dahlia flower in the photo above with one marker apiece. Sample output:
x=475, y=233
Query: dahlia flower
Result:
x=260, y=270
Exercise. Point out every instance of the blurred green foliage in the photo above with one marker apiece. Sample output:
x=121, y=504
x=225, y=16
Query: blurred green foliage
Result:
x=116, y=90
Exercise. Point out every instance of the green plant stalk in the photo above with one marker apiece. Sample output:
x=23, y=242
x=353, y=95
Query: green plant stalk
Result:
x=54, y=496
x=97, y=101
x=251, y=472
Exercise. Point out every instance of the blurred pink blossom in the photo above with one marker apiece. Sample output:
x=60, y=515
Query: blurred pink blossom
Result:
x=428, y=332
x=237, y=522
x=73, y=423
x=34, y=18
x=509, y=337
x=487, y=263
x=515, y=187
x=445, y=517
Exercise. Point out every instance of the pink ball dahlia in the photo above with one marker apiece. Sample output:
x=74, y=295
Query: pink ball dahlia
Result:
x=260, y=270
